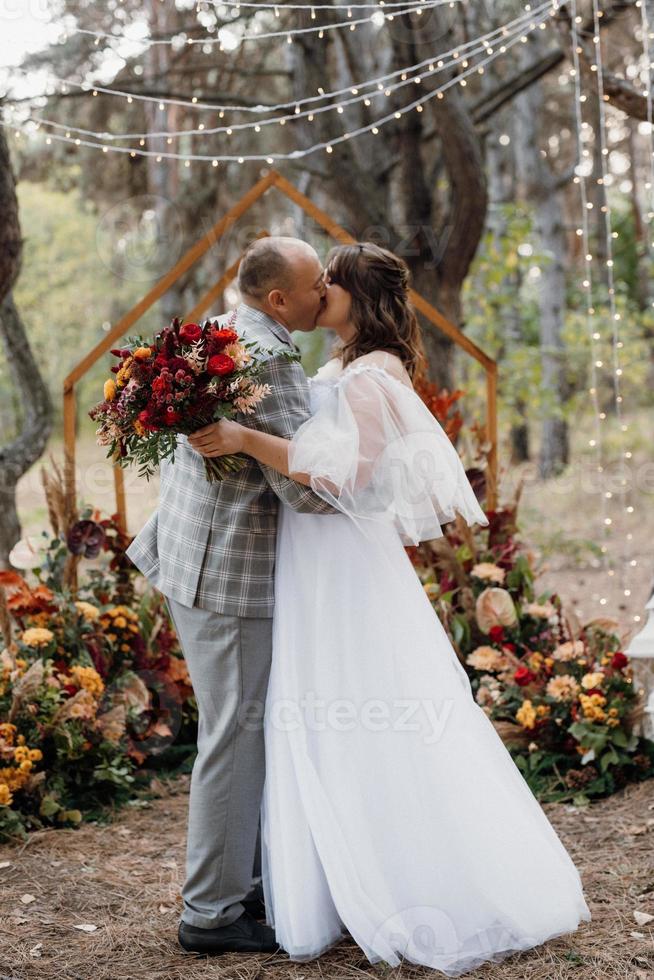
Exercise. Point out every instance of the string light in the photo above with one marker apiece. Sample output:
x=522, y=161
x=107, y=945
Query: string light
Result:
x=380, y=5
x=194, y=103
x=299, y=154
x=180, y=40
x=615, y=316
x=383, y=89
x=587, y=284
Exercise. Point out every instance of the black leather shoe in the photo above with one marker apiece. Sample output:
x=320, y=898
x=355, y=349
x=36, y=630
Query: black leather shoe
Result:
x=245, y=935
x=255, y=906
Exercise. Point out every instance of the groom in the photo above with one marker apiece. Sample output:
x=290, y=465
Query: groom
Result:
x=210, y=549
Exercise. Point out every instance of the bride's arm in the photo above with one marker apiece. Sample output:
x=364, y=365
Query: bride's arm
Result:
x=227, y=437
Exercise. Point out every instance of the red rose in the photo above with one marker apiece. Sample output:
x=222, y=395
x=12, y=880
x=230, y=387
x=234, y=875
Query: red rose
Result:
x=511, y=647
x=523, y=676
x=70, y=689
x=224, y=337
x=619, y=660
x=220, y=364
x=190, y=333
x=496, y=633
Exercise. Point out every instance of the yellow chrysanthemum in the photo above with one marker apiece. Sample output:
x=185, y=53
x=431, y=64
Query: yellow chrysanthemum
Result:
x=6, y=799
x=138, y=427
x=88, y=610
x=37, y=636
x=142, y=352
x=88, y=679
x=526, y=715
x=109, y=390
x=7, y=732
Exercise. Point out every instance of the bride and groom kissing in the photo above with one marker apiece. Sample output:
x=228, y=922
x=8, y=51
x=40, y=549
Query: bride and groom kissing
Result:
x=288, y=582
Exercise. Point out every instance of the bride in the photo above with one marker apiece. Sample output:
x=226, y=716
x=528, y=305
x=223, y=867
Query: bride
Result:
x=391, y=811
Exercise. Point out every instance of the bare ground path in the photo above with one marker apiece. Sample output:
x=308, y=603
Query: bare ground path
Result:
x=124, y=879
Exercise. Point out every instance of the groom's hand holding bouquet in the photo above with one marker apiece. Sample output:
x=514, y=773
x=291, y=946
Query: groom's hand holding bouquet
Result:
x=188, y=377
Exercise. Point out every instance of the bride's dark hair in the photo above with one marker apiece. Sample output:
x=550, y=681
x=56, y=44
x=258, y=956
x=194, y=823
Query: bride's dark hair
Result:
x=382, y=314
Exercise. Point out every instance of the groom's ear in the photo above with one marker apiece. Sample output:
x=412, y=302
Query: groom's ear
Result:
x=277, y=299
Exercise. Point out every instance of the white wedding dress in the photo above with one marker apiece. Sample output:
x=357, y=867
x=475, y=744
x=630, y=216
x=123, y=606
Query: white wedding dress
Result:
x=391, y=808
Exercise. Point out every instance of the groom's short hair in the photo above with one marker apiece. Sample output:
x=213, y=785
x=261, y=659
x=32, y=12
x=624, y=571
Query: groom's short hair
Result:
x=266, y=265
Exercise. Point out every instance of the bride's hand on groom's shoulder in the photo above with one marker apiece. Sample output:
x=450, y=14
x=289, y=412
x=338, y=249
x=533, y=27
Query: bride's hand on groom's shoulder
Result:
x=219, y=438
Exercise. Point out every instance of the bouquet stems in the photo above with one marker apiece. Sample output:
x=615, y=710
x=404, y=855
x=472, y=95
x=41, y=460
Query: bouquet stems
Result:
x=219, y=467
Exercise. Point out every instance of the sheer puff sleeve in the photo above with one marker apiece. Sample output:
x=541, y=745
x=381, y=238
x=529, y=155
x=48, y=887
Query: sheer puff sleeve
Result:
x=374, y=451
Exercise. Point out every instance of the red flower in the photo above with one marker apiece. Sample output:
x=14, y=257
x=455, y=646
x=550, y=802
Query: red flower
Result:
x=496, y=633
x=511, y=647
x=172, y=416
x=190, y=333
x=220, y=364
x=224, y=337
x=619, y=660
x=523, y=676
x=161, y=384
x=147, y=421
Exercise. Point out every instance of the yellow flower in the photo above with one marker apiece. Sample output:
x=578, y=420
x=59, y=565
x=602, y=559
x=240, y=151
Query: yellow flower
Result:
x=142, y=352
x=614, y=712
x=36, y=755
x=37, y=636
x=120, y=622
x=5, y=795
x=138, y=427
x=543, y=710
x=536, y=661
x=109, y=390
x=612, y=722
x=592, y=680
x=7, y=732
x=88, y=679
x=88, y=610
x=526, y=715
x=124, y=374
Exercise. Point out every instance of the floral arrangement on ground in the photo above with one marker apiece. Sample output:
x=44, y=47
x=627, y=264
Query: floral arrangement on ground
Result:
x=95, y=695
x=560, y=693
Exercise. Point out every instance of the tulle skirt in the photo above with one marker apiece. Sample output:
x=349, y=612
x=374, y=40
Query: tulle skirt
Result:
x=392, y=811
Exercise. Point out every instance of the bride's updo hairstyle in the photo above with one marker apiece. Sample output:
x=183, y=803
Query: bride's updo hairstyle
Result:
x=381, y=312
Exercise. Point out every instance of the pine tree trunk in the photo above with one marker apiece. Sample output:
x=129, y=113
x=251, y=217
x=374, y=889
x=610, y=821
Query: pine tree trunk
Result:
x=17, y=456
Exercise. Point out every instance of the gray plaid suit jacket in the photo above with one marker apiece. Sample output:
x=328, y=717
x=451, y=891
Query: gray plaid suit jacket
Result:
x=213, y=544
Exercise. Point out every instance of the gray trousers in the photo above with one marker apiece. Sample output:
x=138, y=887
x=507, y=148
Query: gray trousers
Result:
x=228, y=659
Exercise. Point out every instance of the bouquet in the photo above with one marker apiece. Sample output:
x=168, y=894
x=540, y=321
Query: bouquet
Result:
x=189, y=376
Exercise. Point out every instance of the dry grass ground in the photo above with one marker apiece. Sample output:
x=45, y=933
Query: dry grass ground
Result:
x=124, y=879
